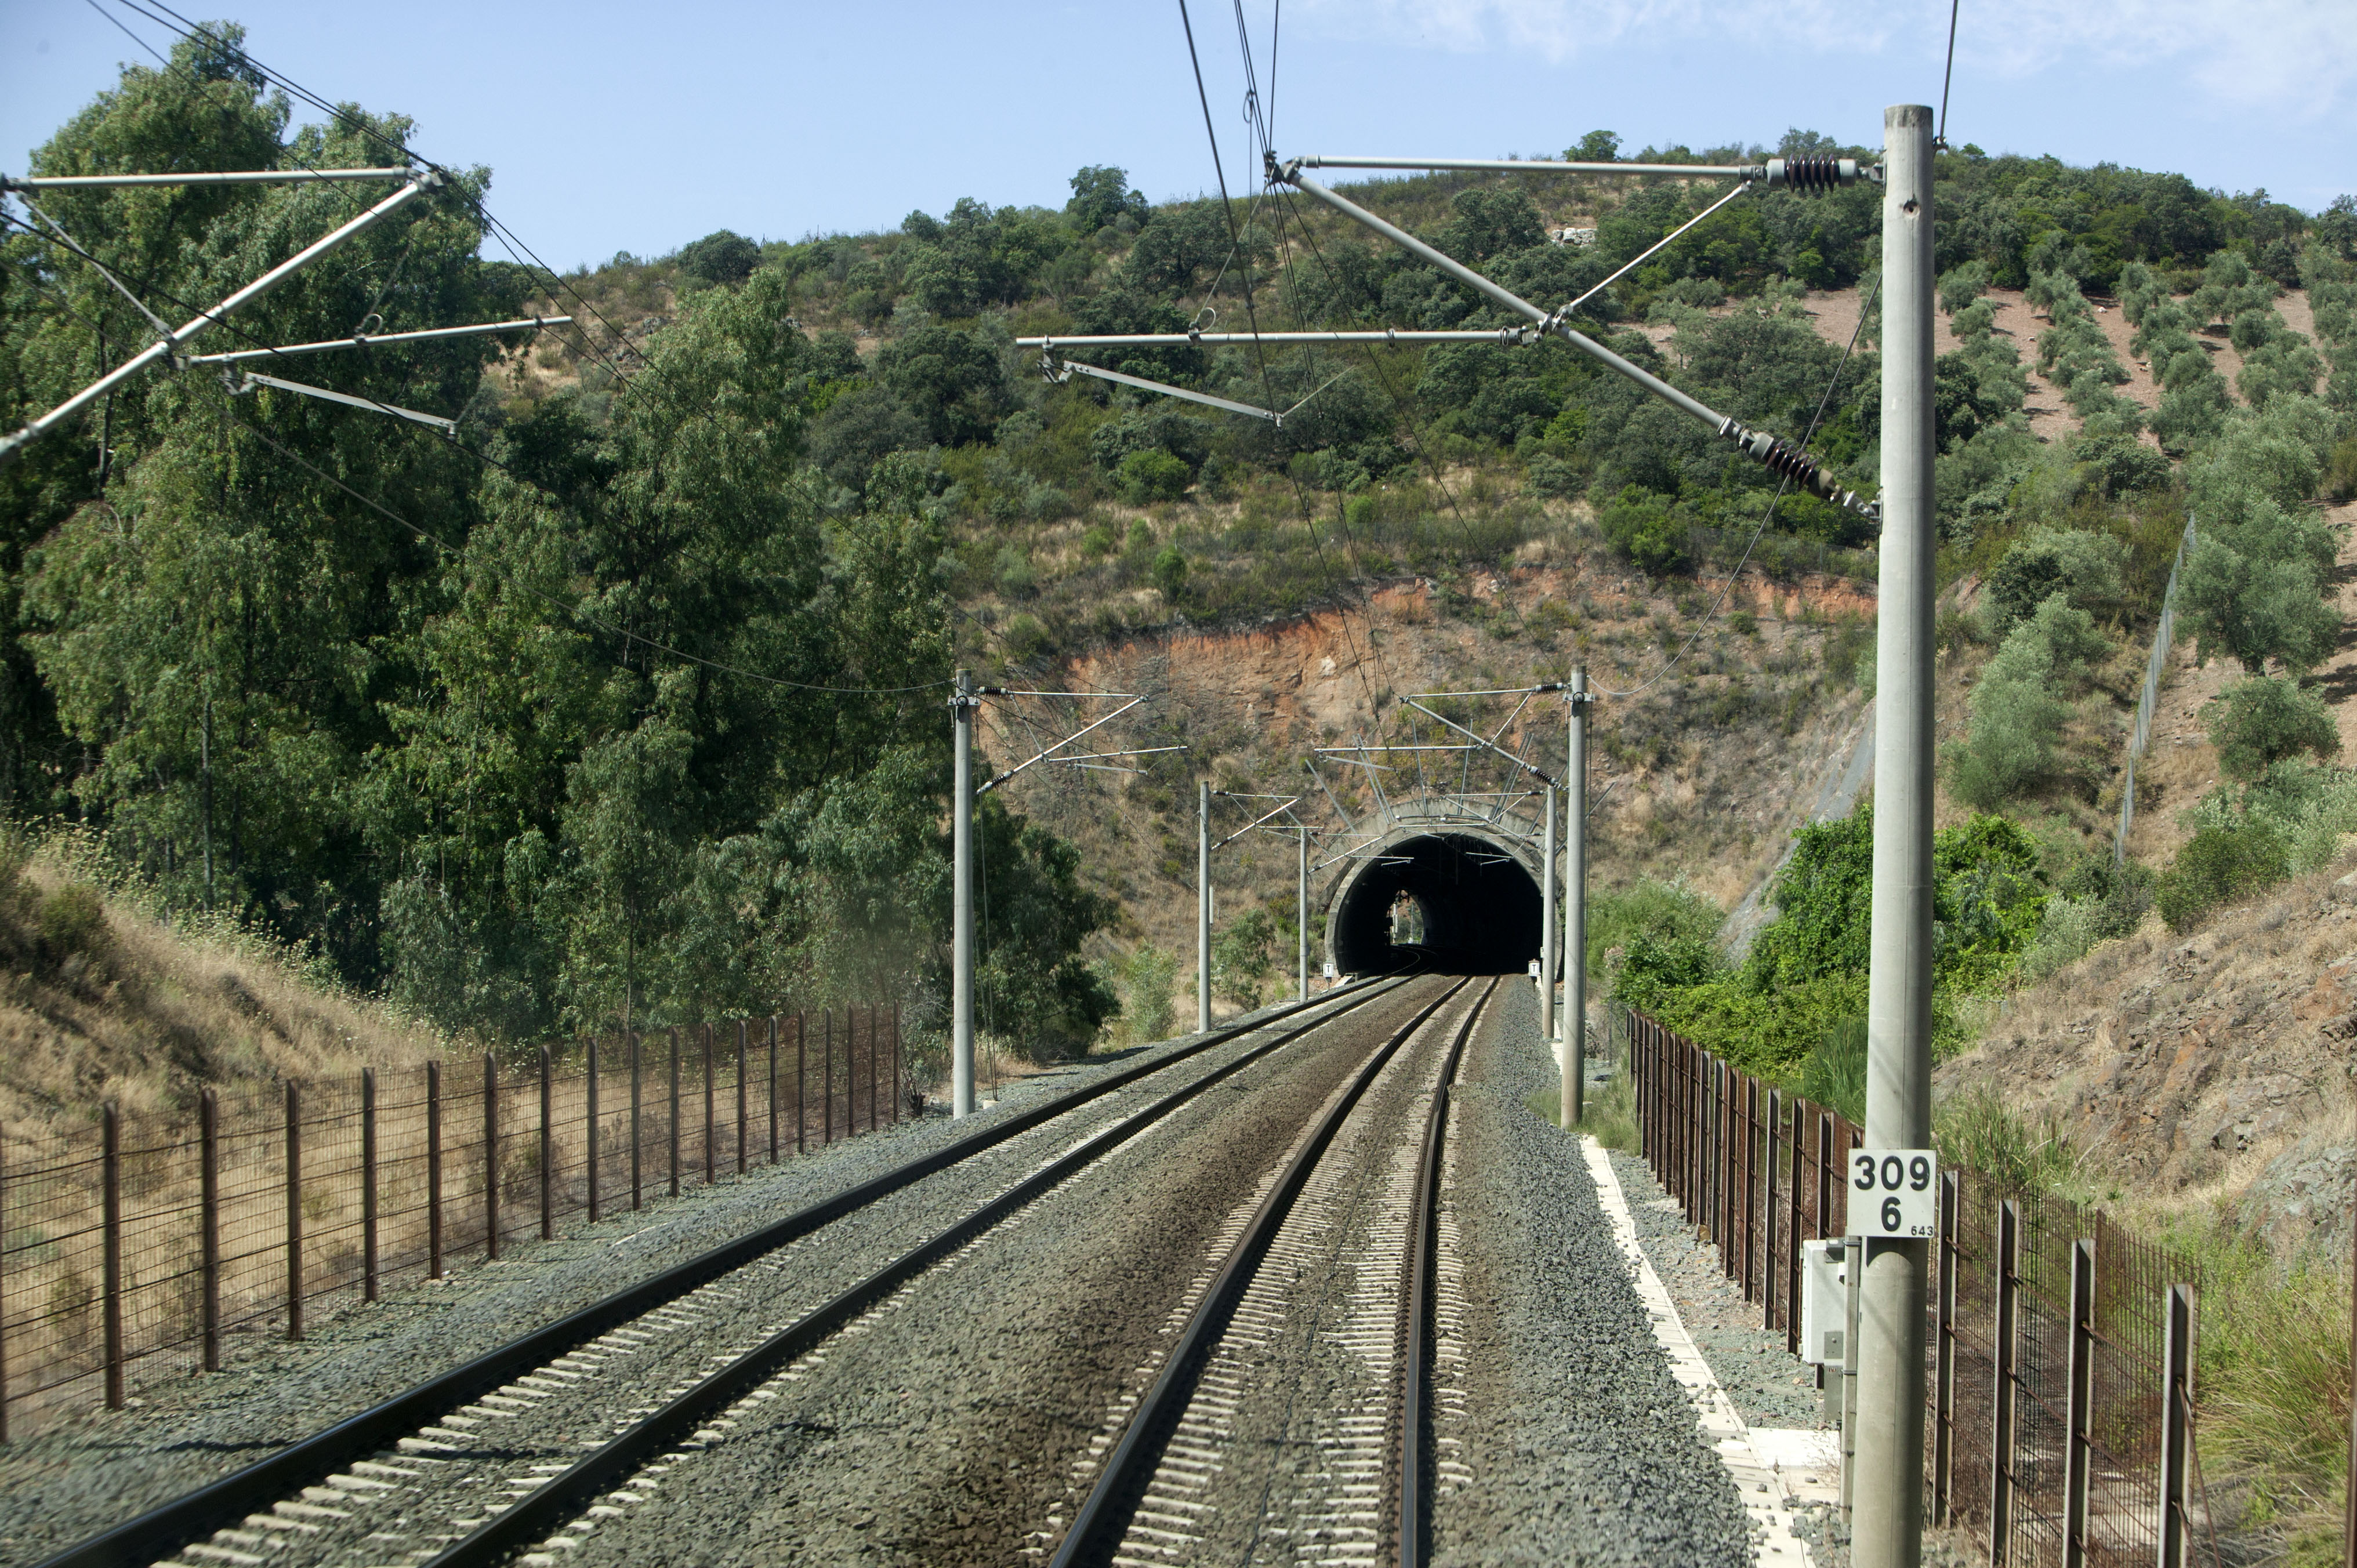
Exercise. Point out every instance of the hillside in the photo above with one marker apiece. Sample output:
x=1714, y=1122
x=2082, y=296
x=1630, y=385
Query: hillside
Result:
x=103, y=1000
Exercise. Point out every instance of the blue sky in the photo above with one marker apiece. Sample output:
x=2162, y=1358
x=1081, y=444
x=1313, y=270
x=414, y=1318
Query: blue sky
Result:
x=612, y=127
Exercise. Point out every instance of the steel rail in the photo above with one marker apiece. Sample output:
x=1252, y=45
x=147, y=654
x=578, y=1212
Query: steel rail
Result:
x=1416, y=1302
x=574, y=1490
x=1094, y=1530
x=192, y=1518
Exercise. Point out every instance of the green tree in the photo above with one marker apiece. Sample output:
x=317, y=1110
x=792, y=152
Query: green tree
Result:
x=723, y=256
x=2262, y=719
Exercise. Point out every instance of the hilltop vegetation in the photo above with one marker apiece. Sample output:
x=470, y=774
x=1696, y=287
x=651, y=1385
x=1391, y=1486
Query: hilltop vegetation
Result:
x=625, y=704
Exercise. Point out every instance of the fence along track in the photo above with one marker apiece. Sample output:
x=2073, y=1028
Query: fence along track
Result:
x=400, y=1171
x=325, y=1458
x=1757, y=1171
x=1173, y=1435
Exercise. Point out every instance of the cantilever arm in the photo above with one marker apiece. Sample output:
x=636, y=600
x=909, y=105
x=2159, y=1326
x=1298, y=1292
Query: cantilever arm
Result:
x=985, y=789
x=1530, y=768
x=1774, y=451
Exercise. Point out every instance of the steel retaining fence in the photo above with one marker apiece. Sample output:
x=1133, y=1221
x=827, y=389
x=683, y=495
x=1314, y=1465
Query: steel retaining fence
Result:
x=2051, y=1333
x=150, y=1244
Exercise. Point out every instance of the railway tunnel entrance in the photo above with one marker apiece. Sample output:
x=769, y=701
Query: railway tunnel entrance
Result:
x=1436, y=901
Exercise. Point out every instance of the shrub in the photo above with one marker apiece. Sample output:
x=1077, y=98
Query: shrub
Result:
x=2262, y=720
x=2084, y=566
x=71, y=921
x=1835, y=1074
x=1145, y=478
x=2016, y=711
x=2219, y=866
x=1642, y=527
x=1243, y=958
x=1149, y=980
x=1099, y=541
x=1170, y=572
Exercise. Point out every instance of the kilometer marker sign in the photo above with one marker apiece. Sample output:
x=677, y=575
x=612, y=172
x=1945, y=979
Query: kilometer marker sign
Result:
x=1894, y=1193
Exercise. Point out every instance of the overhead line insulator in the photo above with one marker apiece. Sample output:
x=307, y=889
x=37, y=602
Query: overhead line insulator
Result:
x=1815, y=172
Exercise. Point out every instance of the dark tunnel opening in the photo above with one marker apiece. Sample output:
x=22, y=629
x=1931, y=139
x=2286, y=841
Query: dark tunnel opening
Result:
x=1469, y=908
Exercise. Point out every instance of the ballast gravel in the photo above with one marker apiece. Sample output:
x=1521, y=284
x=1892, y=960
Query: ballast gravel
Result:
x=1582, y=1447
x=88, y=1474
x=1767, y=1384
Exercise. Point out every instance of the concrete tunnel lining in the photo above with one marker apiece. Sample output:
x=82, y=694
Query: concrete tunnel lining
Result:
x=1477, y=890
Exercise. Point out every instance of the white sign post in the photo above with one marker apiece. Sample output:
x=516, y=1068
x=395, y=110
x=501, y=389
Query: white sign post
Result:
x=1894, y=1193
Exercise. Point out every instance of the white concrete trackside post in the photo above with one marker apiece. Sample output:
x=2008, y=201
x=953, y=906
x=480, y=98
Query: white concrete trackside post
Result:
x=1546, y=923
x=962, y=708
x=1887, y=1520
x=1301, y=916
x=1572, y=1053
x=1203, y=905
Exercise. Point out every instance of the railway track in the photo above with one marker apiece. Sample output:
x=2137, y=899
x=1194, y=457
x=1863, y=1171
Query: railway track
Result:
x=1290, y=1417
x=521, y=1450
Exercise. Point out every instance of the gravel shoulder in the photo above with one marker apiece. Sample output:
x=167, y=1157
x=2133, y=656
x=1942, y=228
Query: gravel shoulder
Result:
x=1580, y=1445
x=85, y=1475
x=1767, y=1385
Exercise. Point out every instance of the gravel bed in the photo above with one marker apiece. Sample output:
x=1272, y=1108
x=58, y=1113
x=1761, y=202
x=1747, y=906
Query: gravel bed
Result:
x=945, y=1427
x=1582, y=1447
x=84, y=1475
x=1767, y=1385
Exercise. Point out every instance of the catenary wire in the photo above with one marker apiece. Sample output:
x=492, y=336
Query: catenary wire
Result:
x=1252, y=317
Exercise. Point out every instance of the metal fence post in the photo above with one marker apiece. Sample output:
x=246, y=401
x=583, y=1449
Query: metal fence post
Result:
x=2175, y=1429
x=490, y=1158
x=674, y=1111
x=899, y=1090
x=740, y=1096
x=432, y=1170
x=875, y=1057
x=2008, y=1260
x=1768, y=1213
x=111, y=1255
x=208, y=1222
x=1825, y=1174
x=367, y=1184
x=547, y=1151
x=294, y=1209
x=2079, y=1413
x=1750, y=1229
x=1944, y=1409
x=773, y=1089
x=710, y=1126
x=827, y=1051
x=638, y=1120
x=802, y=1079
x=1792, y=1238
x=595, y=1142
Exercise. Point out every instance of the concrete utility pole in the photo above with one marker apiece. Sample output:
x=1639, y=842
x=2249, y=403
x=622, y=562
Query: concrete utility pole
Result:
x=1887, y=1523
x=1203, y=905
x=1546, y=923
x=1301, y=916
x=962, y=708
x=1572, y=1053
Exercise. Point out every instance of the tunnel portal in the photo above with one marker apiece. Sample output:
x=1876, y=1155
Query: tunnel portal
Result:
x=1447, y=902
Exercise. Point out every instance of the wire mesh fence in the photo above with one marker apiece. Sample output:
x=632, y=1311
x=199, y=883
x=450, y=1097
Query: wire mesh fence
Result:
x=152, y=1244
x=2049, y=1432
x=2164, y=636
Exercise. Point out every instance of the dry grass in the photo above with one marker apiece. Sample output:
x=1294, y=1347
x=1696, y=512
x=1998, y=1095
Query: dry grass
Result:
x=140, y=1008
